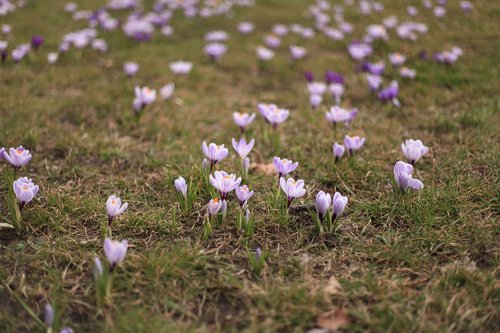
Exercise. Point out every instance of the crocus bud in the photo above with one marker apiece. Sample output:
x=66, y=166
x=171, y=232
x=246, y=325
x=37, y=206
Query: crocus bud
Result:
x=339, y=203
x=247, y=216
x=323, y=203
x=246, y=165
x=97, y=269
x=181, y=186
x=315, y=100
x=258, y=254
x=204, y=164
x=49, y=315
x=115, y=251
x=338, y=151
x=214, y=206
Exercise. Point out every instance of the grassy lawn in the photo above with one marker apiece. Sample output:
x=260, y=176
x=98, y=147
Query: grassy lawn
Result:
x=414, y=261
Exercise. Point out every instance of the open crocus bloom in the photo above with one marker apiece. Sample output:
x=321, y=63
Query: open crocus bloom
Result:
x=397, y=59
x=353, y=143
x=242, y=147
x=215, y=50
x=214, y=153
x=115, y=251
x=273, y=114
x=413, y=150
x=245, y=27
x=403, y=175
x=243, y=194
x=224, y=182
x=242, y=120
x=337, y=115
x=25, y=190
x=359, y=51
x=114, y=206
x=297, y=52
x=293, y=189
x=181, y=67
x=17, y=157
x=283, y=166
x=264, y=53
x=213, y=207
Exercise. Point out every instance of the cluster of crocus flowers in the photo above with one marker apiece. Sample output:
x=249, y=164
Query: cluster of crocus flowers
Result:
x=449, y=56
x=114, y=208
x=403, y=176
x=273, y=114
x=329, y=210
x=316, y=91
x=359, y=50
x=243, y=120
x=214, y=153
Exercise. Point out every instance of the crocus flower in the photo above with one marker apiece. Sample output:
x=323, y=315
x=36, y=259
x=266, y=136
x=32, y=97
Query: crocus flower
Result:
x=258, y=254
x=214, y=153
x=2, y=151
x=114, y=207
x=66, y=330
x=167, y=91
x=36, y=41
x=316, y=88
x=297, y=52
x=407, y=73
x=224, y=182
x=216, y=36
x=353, y=143
x=283, y=166
x=413, y=150
x=439, y=11
x=143, y=97
x=273, y=114
x=337, y=115
x=264, y=53
x=412, y=11
x=359, y=51
x=25, y=190
x=338, y=204
x=130, y=68
x=115, y=251
x=338, y=151
x=181, y=67
x=337, y=90
x=376, y=31
x=390, y=93
x=323, y=203
x=242, y=147
x=309, y=76
x=374, y=81
x=49, y=315
x=52, y=57
x=242, y=120
x=293, y=189
x=243, y=194
x=272, y=41
x=97, y=269
x=375, y=68
x=332, y=77
x=280, y=30
x=214, y=206
x=397, y=59
x=181, y=186
x=315, y=100
x=215, y=50
x=390, y=22
x=402, y=174
x=466, y=6
x=245, y=27
x=17, y=157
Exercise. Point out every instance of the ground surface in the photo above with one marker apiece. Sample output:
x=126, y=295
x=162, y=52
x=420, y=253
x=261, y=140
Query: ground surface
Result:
x=424, y=261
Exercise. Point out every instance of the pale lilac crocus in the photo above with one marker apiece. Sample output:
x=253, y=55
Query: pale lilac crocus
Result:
x=180, y=67
x=359, y=51
x=66, y=330
x=214, y=51
x=115, y=252
x=376, y=68
x=52, y=57
x=25, y=190
x=403, y=176
x=17, y=157
x=280, y=30
x=337, y=115
x=337, y=90
x=407, y=73
x=297, y=52
x=339, y=203
x=315, y=101
x=284, y=166
x=114, y=207
x=397, y=59
x=374, y=81
x=243, y=194
x=466, y=7
x=353, y=143
x=316, y=88
x=167, y=91
x=181, y=186
x=338, y=151
x=264, y=53
x=243, y=120
x=49, y=315
x=216, y=36
x=390, y=22
x=214, y=153
x=411, y=11
x=143, y=97
x=97, y=269
x=245, y=27
x=224, y=183
x=439, y=11
x=130, y=68
x=242, y=147
x=376, y=31
x=273, y=114
x=413, y=150
x=272, y=41
x=214, y=206
x=323, y=203
x=293, y=189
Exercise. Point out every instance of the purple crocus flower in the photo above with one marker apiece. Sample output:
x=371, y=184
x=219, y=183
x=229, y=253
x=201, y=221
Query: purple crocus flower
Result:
x=215, y=51
x=224, y=182
x=242, y=147
x=214, y=153
x=316, y=88
x=315, y=101
x=338, y=151
x=338, y=204
x=25, y=190
x=332, y=77
x=242, y=120
x=337, y=115
x=115, y=252
x=97, y=269
x=390, y=93
x=263, y=53
x=413, y=150
x=297, y=52
x=353, y=143
x=4, y=54
x=283, y=166
x=17, y=157
x=359, y=51
x=403, y=175
x=397, y=59
x=323, y=203
x=181, y=186
x=309, y=76
x=66, y=330
x=374, y=81
x=243, y=194
x=293, y=189
x=213, y=207
x=258, y=254
x=375, y=68
x=36, y=41
x=466, y=6
x=49, y=315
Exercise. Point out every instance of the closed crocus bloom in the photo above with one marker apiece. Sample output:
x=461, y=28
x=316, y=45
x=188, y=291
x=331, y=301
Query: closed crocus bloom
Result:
x=338, y=151
x=353, y=143
x=242, y=147
x=315, y=101
x=115, y=251
x=97, y=269
x=17, y=157
x=36, y=41
x=181, y=186
x=66, y=330
x=337, y=90
x=293, y=189
x=338, y=205
x=242, y=120
x=49, y=315
x=413, y=150
x=273, y=114
x=403, y=176
x=167, y=91
x=214, y=205
x=214, y=153
x=25, y=190
x=272, y=41
x=243, y=194
x=374, y=81
x=114, y=206
x=224, y=182
x=245, y=27
x=283, y=166
x=390, y=94
x=2, y=151
x=130, y=68
x=323, y=203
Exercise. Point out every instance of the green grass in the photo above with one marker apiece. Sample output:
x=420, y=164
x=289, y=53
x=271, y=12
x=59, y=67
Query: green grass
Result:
x=420, y=261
